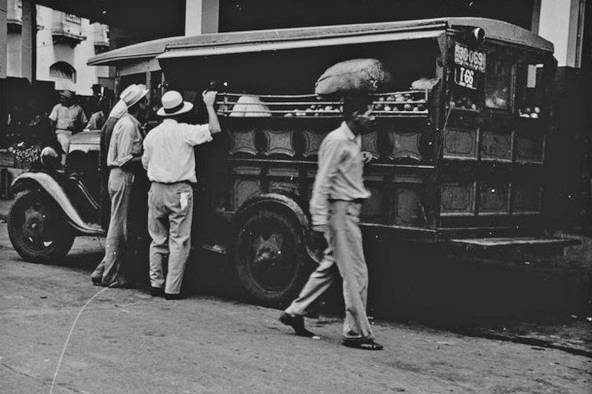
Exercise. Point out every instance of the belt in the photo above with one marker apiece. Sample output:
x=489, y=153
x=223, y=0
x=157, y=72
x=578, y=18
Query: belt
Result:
x=173, y=183
x=355, y=200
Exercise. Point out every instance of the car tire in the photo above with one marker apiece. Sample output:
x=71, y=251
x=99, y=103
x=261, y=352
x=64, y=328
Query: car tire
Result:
x=270, y=259
x=37, y=229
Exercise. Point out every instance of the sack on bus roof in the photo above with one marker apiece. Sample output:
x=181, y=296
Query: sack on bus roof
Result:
x=424, y=84
x=355, y=75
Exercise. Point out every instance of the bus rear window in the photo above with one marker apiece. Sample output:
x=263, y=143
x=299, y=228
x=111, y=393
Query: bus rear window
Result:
x=498, y=82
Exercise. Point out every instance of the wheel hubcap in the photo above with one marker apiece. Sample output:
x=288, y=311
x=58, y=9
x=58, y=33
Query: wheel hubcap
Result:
x=35, y=227
x=271, y=263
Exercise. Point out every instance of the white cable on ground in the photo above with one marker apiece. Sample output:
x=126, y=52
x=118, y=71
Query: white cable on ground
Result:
x=55, y=375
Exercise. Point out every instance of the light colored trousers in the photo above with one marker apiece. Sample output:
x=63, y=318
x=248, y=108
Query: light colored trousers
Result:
x=111, y=267
x=63, y=137
x=346, y=251
x=170, y=211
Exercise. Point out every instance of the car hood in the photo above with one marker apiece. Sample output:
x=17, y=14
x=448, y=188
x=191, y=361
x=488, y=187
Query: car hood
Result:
x=85, y=141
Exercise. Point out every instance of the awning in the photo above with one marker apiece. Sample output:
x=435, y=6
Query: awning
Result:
x=139, y=66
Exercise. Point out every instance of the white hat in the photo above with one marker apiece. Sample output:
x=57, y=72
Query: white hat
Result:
x=173, y=104
x=133, y=93
x=126, y=90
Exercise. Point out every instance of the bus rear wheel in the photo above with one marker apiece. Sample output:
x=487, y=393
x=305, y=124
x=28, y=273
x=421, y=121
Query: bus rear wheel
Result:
x=270, y=259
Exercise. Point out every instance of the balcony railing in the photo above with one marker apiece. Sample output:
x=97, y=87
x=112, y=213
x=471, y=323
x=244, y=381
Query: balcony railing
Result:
x=67, y=28
x=14, y=17
x=101, y=36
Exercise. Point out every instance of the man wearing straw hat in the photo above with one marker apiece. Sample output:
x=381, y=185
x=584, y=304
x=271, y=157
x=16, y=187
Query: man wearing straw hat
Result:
x=123, y=159
x=169, y=159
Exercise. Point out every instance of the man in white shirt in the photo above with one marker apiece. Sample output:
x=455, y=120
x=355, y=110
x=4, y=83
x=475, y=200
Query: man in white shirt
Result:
x=123, y=160
x=170, y=162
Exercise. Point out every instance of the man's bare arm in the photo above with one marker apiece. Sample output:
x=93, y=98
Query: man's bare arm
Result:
x=209, y=98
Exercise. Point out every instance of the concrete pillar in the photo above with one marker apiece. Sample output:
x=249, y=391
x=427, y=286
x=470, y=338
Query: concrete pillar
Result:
x=29, y=40
x=569, y=177
x=562, y=23
x=201, y=16
x=3, y=66
x=3, y=33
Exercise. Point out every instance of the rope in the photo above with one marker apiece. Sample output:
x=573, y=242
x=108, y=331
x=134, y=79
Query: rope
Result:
x=61, y=358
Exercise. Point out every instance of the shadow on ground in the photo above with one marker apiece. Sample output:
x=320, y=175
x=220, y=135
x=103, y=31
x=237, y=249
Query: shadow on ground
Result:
x=541, y=302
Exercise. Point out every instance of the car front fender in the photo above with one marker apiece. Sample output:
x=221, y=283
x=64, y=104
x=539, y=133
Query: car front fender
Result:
x=41, y=181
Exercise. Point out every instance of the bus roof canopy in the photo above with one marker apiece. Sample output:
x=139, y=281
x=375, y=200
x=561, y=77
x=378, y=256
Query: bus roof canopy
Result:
x=278, y=39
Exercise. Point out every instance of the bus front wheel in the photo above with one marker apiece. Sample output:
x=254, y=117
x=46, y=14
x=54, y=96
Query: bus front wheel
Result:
x=270, y=259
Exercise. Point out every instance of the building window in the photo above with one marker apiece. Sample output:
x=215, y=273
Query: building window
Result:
x=62, y=71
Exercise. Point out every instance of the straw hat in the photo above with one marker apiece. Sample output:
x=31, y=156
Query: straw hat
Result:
x=133, y=93
x=173, y=104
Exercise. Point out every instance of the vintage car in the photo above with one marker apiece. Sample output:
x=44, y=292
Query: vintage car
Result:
x=53, y=206
x=458, y=152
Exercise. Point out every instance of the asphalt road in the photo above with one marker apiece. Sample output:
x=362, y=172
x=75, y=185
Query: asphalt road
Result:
x=128, y=342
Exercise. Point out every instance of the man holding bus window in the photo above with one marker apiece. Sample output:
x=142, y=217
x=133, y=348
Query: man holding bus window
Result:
x=337, y=197
x=170, y=162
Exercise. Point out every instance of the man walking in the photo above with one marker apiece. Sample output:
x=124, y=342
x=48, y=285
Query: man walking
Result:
x=123, y=160
x=337, y=197
x=170, y=161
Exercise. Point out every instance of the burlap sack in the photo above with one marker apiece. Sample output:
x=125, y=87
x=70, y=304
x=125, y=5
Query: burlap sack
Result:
x=353, y=76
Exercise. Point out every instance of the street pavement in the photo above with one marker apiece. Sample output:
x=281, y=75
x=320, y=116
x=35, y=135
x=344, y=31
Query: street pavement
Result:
x=125, y=341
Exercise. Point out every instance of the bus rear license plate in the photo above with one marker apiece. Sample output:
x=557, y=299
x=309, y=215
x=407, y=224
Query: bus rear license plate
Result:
x=465, y=77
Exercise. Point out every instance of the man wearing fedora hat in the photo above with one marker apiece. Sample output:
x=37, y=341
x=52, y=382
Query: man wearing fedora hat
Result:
x=169, y=159
x=66, y=118
x=123, y=159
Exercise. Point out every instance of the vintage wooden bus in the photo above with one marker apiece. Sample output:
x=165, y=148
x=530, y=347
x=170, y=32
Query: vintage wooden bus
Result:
x=458, y=154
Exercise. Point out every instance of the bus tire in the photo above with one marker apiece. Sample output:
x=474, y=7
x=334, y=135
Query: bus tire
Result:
x=270, y=259
x=37, y=229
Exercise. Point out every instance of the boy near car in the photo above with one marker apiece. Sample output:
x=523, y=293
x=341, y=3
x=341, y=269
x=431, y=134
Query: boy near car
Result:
x=67, y=118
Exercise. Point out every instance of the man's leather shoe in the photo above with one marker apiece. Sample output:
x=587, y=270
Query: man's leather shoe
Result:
x=156, y=291
x=168, y=296
x=297, y=323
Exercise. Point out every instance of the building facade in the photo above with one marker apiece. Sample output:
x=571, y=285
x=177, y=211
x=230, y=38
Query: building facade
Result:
x=64, y=42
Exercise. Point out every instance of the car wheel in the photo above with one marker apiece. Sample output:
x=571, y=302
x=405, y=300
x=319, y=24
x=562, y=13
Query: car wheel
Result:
x=37, y=229
x=270, y=260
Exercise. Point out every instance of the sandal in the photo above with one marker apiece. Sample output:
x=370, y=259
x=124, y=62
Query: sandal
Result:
x=362, y=343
